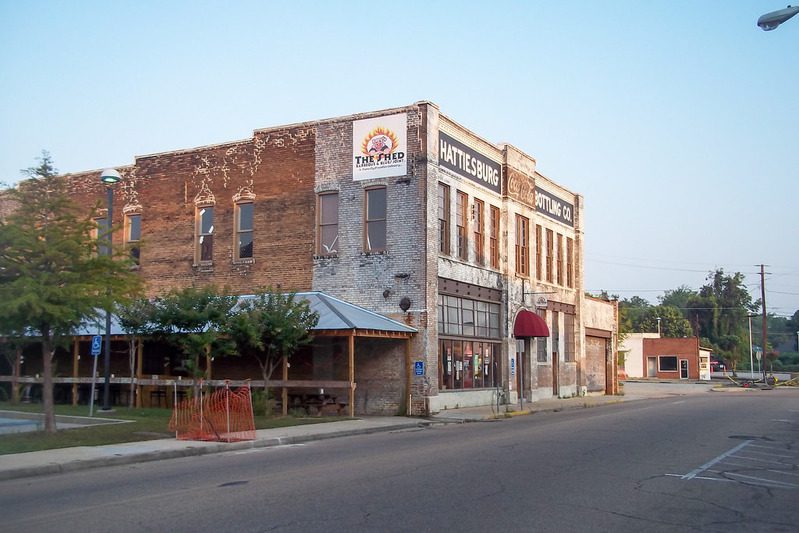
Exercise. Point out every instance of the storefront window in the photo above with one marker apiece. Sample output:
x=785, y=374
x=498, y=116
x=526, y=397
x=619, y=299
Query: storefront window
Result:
x=467, y=363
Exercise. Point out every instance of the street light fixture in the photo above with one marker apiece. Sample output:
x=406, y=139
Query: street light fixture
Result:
x=770, y=21
x=109, y=177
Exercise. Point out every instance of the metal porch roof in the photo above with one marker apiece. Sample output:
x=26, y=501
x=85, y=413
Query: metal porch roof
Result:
x=334, y=314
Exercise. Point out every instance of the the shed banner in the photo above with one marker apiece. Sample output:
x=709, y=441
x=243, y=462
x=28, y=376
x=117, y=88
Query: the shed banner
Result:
x=379, y=147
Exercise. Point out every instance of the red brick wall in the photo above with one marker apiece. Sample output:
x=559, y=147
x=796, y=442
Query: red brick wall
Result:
x=381, y=377
x=277, y=166
x=686, y=348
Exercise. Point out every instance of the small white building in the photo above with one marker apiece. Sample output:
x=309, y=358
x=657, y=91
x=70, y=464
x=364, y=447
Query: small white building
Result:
x=631, y=362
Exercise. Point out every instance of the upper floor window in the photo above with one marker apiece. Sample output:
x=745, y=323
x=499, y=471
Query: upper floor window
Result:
x=327, y=229
x=100, y=234
x=133, y=236
x=244, y=230
x=479, y=229
x=493, y=246
x=522, y=245
x=569, y=263
x=443, y=219
x=460, y=221
x=204, y=240
x=550, y=252
x=559, y=254
x=375, y=223
x=538, y=246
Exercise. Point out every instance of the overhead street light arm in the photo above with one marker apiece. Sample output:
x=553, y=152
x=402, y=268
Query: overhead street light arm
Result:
x=770, y=21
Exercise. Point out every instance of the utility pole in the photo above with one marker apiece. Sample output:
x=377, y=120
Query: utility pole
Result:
x=765, y=323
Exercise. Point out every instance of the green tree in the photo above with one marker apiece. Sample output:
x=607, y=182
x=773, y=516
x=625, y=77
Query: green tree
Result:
x=672, y=322
x=270, y=326
x=135, y=320
x=678, y=298
x=11, y=348
x=52, y=277
x=631, y=312
x=718, y=315
x=196, y=321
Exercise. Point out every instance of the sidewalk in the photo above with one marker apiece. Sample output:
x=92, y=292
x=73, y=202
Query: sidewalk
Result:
x=71, y=459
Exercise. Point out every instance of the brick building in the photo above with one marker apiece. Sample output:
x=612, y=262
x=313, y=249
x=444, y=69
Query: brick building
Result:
x=403, y=212
x=647, y=355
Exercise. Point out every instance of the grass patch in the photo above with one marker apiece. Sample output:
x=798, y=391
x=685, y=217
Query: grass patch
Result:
x=144, y=424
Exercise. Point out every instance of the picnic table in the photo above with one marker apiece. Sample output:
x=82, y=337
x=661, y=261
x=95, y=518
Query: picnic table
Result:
x=316, y=403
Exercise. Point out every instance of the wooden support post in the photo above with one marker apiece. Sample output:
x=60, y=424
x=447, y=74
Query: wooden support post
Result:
x=285, y=391
x=15, y=377
x=75, y=356
x=351, y=369
x=139, y=368
x=408, y=378
x=208, y=375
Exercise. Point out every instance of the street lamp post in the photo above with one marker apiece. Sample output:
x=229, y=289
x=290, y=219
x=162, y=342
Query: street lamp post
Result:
x=751, y=360
x=109, y=177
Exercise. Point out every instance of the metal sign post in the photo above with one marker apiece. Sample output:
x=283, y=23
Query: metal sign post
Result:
x=97, y=344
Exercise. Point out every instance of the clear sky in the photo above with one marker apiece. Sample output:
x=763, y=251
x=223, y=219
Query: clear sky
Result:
x=676, y=119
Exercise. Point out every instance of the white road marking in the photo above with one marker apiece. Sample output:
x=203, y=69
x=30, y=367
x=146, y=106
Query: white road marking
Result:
x=771, y=454
x=784, y=472
x=693, y=473
x=705, y=478
x=745, y=458
x=763, y=481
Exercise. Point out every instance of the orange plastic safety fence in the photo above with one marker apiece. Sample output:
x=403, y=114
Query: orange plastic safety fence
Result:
x=223, y=415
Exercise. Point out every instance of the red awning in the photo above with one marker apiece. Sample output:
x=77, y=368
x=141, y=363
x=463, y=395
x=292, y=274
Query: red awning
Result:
x=529, y=324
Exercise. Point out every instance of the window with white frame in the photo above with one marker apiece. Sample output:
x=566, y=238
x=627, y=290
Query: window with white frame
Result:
x=133, y=236
x=244, y=230
x=375, y=220
x=327, y=228
x=204, y=234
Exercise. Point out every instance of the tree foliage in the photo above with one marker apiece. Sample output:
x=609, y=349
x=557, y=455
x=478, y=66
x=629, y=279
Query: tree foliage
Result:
x=135, y=319
x=677, y=298
x=270, y=326
x=52, y=277
x=639, y=316
x=718, y=314
x=196, y=321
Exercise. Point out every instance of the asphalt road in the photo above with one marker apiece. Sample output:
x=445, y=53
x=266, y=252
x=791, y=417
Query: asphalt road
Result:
x=709, y=462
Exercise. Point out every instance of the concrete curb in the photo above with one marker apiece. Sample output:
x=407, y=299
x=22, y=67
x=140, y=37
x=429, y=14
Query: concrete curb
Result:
x=73, y=459
x=197, y=449
x=511, y=414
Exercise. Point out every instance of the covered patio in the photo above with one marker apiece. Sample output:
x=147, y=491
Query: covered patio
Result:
x=324, y=373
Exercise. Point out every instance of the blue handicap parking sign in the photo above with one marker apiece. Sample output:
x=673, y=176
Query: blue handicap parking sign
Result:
x=97, y=345
x=418, y=368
